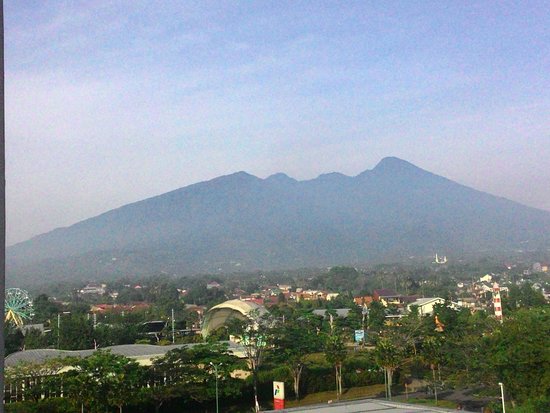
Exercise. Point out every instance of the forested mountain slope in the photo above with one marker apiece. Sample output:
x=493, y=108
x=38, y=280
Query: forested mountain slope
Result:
x=241, y=222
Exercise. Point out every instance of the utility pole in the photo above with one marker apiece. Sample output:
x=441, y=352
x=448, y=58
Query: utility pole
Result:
x=386, y=382
x=173, y=328
x=58, y=328
x=502, y=397
x=216, y=373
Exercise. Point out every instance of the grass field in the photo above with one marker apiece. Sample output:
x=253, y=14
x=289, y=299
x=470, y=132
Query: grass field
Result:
x=348, y=394
x=430, y=402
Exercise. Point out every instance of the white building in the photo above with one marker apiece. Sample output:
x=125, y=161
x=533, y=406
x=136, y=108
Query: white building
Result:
x=426, y=305
x=92, y=288
x=486, y=278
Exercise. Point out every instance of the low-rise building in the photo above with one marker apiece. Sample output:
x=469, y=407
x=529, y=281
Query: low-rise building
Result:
x=426, y=305
x=93, y=288
x=387, y=297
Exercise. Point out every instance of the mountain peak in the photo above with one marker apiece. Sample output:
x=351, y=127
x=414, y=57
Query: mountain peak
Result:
x=392, y=163
x=280, y=177
x=240, y=176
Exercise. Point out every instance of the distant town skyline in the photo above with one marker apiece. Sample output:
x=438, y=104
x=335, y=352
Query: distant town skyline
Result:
x=109, y=103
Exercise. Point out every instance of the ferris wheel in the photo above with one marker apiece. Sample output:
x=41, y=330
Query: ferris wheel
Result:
x=18, y=306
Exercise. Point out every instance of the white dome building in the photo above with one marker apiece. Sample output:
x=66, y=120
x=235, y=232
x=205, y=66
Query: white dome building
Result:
x=222, y=314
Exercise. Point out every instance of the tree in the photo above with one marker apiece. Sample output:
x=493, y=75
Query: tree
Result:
x=75, y=332
x=115, y=334
x=103, y=380
x=431, y=354
x=294, y=340
x=523, y=297
x=388, y=356
x=188, y=372
x=335, y=353
x=377, y=316
x=338, y=279
x=464, y=349
x=35, y=338
x=44, y=309
x=13, y=338
x=519, y=354
x=36, y=379
x=253, y=332
x=129, y=295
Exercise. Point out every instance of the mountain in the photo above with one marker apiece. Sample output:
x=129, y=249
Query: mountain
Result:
x=241, y=222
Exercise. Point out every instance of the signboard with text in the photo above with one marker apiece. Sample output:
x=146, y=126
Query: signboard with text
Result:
x=278, y=395
x=359, y=336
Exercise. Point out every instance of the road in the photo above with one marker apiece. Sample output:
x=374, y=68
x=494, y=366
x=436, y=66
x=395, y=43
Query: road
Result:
x=360, y=406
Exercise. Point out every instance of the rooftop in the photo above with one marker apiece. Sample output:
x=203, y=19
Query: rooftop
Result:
x=134, y=351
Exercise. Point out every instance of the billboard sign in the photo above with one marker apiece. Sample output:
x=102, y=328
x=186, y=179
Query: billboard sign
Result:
x=278, y=395
x=359, y=336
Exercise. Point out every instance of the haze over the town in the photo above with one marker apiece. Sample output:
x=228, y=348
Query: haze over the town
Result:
x=110, y=103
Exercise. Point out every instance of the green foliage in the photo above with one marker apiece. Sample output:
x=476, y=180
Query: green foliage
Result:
x=35, y=338
x=200, y=295
x=75, y=332
x=335, y=349
x=377, y=314
x=317, y=377
x=524, y=296
x=293, y=341
x=254, y=331
x=103, y=380
x=190, y=373
x=339, y=279
x=360, y=369
x=78, y=308
x=536, y=405
x=51, y=405
x=388, y=355
x=13, y=339
x=44, y=309
x=35, y=379
x=129, y=295
x=117, y=334
x=520, y=354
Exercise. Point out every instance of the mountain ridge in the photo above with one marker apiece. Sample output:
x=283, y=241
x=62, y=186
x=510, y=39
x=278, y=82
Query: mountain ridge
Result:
x=392, y=211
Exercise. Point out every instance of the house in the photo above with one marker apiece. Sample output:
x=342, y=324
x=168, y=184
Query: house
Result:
x=254, y=299
x=284, y=287
x=487, y=278
x=93, y=288
x=119, y=308
x=467, y=302
x=361, y=301
x=426, y=305
x=387, y=297
x=212, y=284
x=312, y=295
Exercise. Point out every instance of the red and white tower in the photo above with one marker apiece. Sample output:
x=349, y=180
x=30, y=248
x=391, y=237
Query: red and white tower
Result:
x=496, y=302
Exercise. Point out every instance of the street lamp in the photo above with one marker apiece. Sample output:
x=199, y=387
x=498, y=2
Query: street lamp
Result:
x=173, y=327
x=365, y=312
x=216, y=373
x=59, y=325
x=502, y=397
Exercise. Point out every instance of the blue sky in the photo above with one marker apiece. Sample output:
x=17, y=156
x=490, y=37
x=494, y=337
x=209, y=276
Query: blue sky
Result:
x=111, y=102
